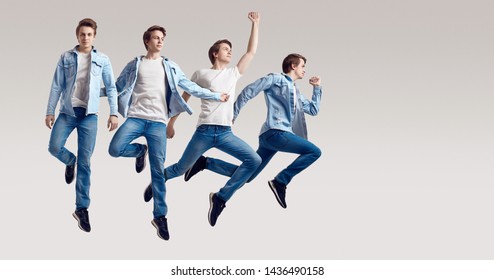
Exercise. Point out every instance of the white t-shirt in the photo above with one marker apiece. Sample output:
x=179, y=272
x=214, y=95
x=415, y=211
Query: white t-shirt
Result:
x=80, y=95
x=148, y=97
x=223, y=81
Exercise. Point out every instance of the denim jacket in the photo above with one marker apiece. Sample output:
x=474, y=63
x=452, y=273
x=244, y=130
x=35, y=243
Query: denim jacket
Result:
x=282, y=113
x=174, y=78
x=65, y=77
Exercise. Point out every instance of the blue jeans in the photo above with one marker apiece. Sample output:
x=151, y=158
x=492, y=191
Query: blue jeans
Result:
x=222, y=138
x=155, y=134
x=86, y=140
x=273, y=141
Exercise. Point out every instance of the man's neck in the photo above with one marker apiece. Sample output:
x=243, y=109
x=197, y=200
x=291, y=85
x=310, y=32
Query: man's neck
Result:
x=218, y=65
x=292, y=76
x=84, y=50
x=153, y=55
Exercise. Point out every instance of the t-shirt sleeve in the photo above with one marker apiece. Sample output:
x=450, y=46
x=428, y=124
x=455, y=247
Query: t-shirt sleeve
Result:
x=236, y=73
x=194, y=77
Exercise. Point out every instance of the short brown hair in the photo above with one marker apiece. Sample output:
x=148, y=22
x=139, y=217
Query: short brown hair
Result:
x=147, y=35
x=216, y=47
x=86, y=22
x=291, y=59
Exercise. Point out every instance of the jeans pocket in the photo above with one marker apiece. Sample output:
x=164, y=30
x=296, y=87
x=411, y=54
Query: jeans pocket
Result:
x=201, y=129
x=275, y=139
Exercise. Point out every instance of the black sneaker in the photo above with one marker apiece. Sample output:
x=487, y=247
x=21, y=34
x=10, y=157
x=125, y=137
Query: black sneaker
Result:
x=198, y=166
x=148, y=193
x=82, y=218
x=70, y=173
x=216, y=206
x=141, y=160
x=279, y=191
x=162, y=227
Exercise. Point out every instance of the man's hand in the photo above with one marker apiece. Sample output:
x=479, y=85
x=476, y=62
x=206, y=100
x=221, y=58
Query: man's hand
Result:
x=315, y=81
x=224, y=97
x=254, y=17
x=49, y=120
x=112, y=122
x=170, y=131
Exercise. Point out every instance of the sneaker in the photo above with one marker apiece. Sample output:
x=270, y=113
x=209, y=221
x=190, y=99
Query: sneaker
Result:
x=162, y=227
x=216, y=206
x=279, y=191
x=82, y=218
x=198, y=166
x=141, y=160
x=69, y=173
x=148, y=193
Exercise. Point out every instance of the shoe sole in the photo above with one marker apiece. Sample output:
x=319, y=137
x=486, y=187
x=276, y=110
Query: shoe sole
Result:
x=186, y=176
x=210, y=208
x=158, y=230
x=273, y=188
x=79, y=222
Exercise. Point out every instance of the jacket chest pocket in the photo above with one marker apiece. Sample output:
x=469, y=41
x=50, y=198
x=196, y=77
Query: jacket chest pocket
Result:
x=96, y=68
x=278, y=90
x=69, y=69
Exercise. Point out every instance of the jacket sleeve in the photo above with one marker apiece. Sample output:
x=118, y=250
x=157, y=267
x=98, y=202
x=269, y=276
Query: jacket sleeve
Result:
x=111, y=89
x=57, y=86
x=311, y=107
x=251, y=91
x=122, y=78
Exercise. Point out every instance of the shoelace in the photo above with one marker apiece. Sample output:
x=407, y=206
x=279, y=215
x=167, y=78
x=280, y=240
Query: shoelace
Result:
x=161, y=221
x=222, y=205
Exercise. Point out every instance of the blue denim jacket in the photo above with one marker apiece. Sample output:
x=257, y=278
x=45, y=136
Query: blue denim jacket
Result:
x=65, y=77
x=281, y=113
x=174, y=78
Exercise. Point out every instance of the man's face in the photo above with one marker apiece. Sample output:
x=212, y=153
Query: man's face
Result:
x=299, y=69
x=155, y=43
x=224, y=54
x=86, y=37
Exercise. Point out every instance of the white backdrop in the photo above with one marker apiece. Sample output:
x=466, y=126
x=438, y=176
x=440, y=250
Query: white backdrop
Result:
x=405, y=127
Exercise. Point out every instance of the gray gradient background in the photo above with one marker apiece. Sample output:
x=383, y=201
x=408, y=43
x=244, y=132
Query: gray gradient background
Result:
x=406, y=130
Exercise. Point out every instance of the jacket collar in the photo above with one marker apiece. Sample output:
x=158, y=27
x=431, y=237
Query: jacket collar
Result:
x=74, y=50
